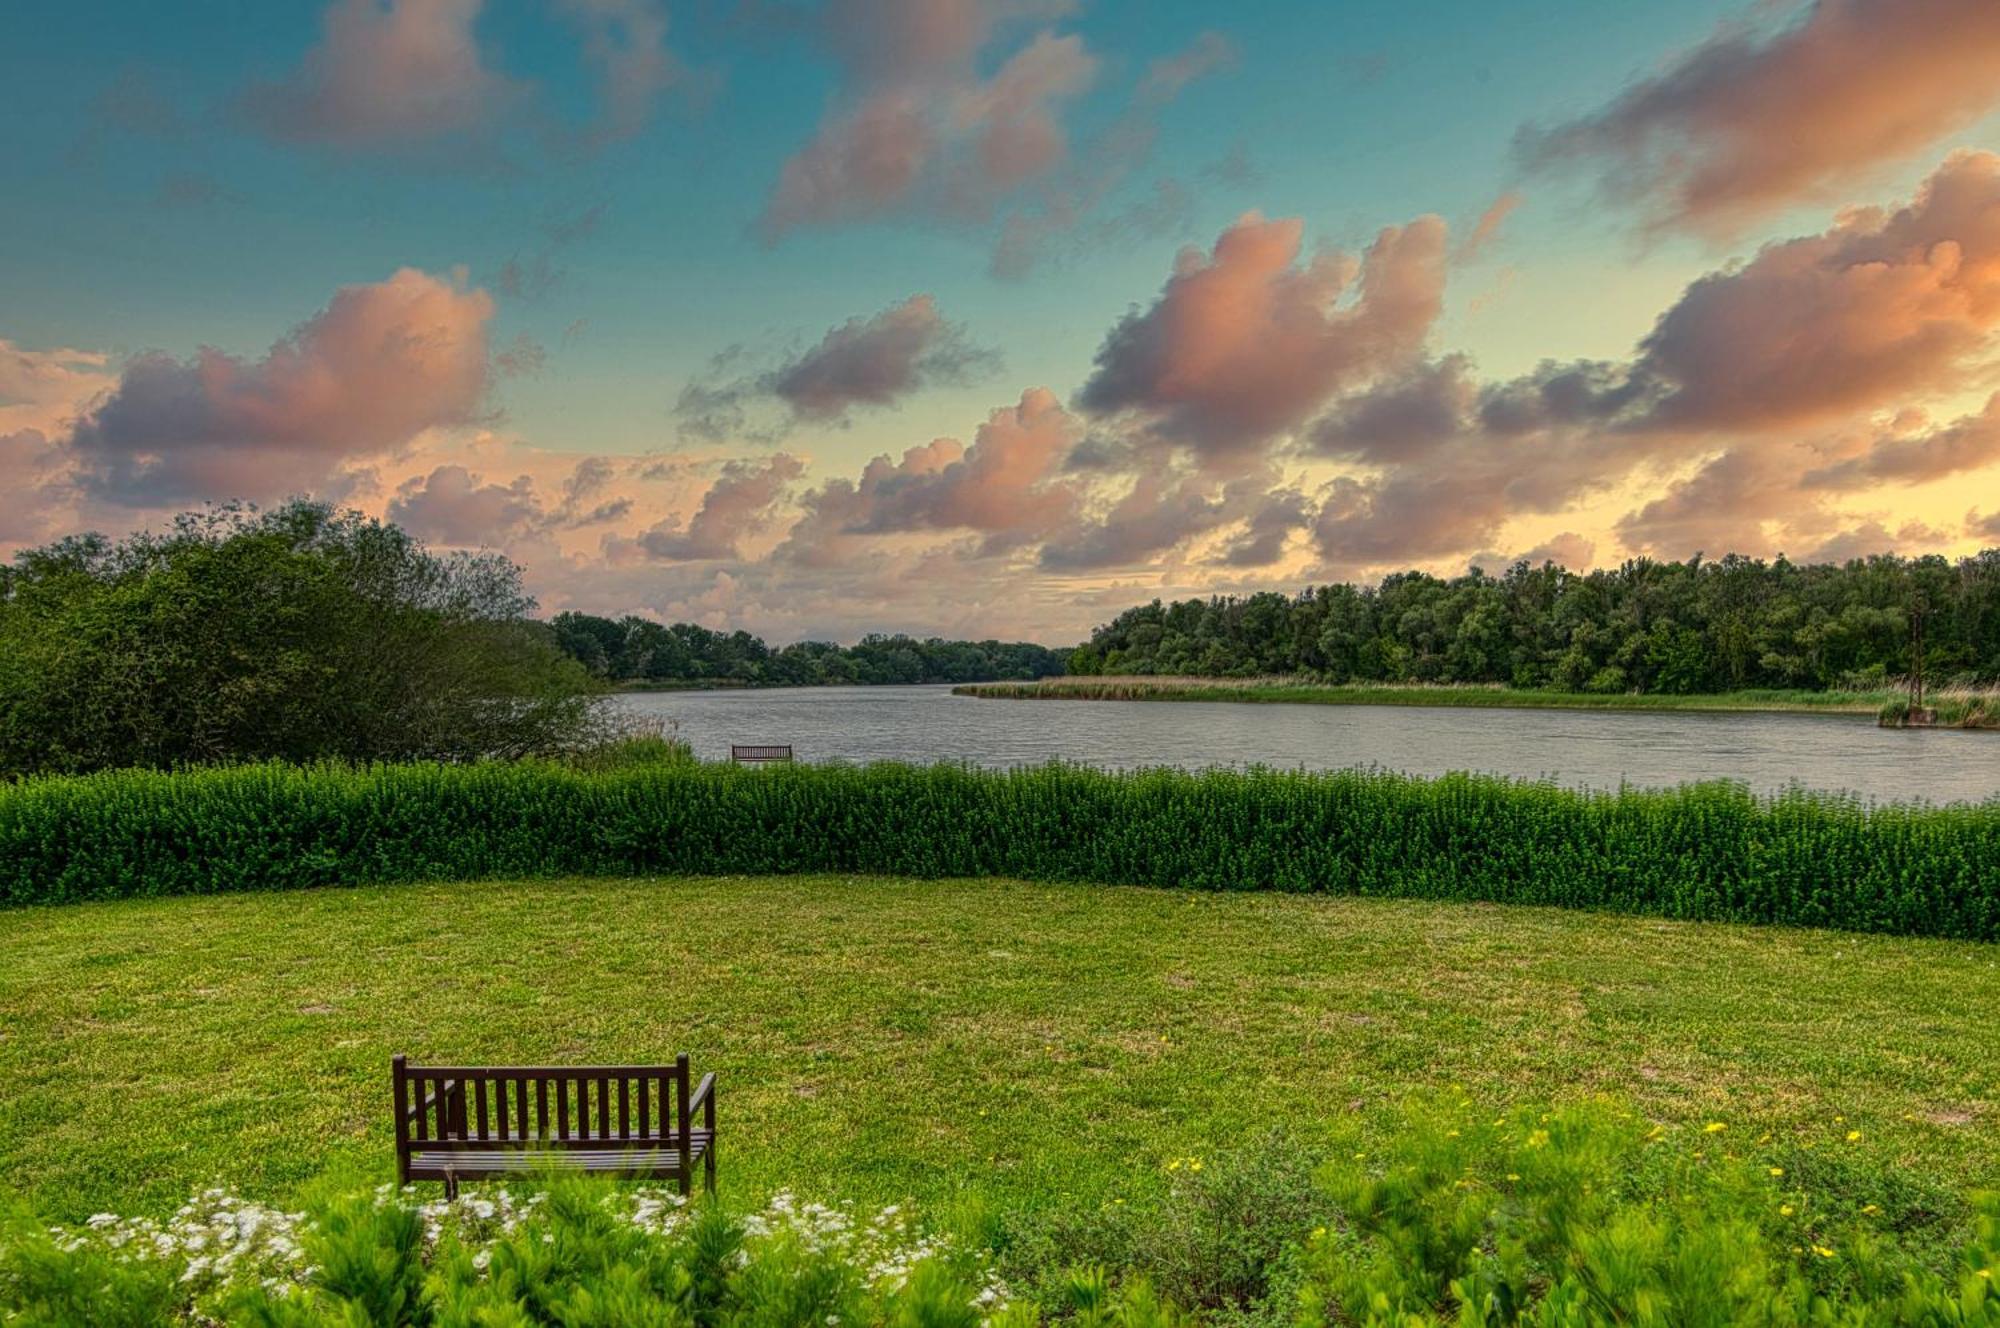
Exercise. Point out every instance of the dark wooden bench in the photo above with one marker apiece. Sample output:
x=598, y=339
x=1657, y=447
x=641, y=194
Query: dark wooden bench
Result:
x=473, y=1122
x=757, y=755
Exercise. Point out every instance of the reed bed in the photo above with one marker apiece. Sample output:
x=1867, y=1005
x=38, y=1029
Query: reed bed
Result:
x=1706, y=851
x=1281, y=690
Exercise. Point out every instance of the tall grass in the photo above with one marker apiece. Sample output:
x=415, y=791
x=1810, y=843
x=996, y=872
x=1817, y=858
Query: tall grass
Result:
x=1708, y=851
x=1476, y=695
x=1947, y=708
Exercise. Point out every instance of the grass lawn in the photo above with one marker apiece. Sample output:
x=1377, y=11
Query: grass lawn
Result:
x=885, y=1039
x=1286, y=691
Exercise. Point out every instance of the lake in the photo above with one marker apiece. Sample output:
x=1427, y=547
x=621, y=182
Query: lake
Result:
x=1596, y=749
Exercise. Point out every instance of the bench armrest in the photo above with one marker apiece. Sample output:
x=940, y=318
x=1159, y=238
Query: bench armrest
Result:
x=704, y=1100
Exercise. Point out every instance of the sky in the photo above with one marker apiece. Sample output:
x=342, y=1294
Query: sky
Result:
x=994, y=317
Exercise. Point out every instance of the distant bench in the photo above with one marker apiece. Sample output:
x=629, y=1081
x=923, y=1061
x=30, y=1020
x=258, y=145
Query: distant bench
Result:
x=758, y=755
x=477, y=1122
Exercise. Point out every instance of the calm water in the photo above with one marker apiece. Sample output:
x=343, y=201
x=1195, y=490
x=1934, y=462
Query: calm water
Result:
x=1595, y=749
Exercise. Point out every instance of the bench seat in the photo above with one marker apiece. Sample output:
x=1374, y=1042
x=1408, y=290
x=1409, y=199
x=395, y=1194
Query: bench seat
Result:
x=642, y=1160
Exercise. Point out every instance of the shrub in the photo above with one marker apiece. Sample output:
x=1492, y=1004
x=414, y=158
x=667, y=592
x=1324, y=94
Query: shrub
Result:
x=1709, y=851
x=1589, y=1216
x=575, y=1253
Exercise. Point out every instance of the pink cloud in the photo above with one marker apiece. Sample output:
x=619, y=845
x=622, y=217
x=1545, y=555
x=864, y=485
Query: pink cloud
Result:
x=1004, y=487
x=915, y=125
x=379, y=365
x=741, y=502
x=1487, y=228
x=44, y=390
x=1244, y=343
x=380, y=76
x=1749, y=123
x=1880, y=306
x=451, y=506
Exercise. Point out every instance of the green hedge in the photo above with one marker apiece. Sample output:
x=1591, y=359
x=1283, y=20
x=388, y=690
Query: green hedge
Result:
x=1702, y=851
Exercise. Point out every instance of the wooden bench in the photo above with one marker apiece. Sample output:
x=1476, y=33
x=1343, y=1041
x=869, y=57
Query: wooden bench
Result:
x=474, y=1122
x=757, y=755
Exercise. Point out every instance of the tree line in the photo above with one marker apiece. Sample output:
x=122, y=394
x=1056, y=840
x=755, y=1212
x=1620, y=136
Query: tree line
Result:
x=633, y=649
x=1647, y=626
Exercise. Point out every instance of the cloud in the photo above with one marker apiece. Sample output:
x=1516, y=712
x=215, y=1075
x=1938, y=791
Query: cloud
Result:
x=43, y=390
x=1487, y=228
x=1452, y=461
x=1006, y=487
x=1751, y=122
x=1880, y=306
x=740, y=503
x=872, y=362
x=451, y=506
x=965, y=141
x=1971, y=443
x=1268, y=530
x=626, y=41
x=30, y=465
x=1985, y=527
x=1067, y=211
x=1244, y=344
x=1871, y=538
x=877, y=361
x=385, y=76
x=915, y=125
x=379, y=365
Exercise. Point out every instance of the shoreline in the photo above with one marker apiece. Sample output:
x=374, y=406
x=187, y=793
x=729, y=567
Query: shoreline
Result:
x=1271, y=692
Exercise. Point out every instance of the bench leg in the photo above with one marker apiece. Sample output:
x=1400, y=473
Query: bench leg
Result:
x=708, y=1168
x=686, y=1176
x=450, y=1186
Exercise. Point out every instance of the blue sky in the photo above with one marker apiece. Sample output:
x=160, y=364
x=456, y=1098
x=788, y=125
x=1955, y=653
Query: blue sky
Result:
x=155, y=209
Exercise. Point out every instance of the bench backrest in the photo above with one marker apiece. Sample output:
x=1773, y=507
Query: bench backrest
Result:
x=466, y=1107
x=765, y=753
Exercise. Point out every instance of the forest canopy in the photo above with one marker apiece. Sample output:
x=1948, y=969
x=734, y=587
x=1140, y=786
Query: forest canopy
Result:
x=1669, y=627
x=632, y=649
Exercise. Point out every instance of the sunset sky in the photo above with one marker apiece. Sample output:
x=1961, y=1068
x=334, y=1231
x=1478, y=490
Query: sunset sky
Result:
x=994, y=317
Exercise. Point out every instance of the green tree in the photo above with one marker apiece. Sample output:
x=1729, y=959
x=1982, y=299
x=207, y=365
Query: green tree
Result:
x=300, y=634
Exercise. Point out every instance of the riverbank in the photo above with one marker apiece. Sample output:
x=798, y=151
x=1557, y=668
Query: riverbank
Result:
x=1287, y=691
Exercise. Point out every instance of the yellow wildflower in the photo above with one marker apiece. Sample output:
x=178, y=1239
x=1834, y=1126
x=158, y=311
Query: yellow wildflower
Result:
x=1853, y=1135
x=1777, y=1171
x=1714, y=1127
x=1822, y=1251
x=1785, y=1210
x=1871, y=1209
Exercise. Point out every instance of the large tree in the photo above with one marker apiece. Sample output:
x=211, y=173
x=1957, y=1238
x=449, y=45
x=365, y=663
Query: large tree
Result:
x=302, y=633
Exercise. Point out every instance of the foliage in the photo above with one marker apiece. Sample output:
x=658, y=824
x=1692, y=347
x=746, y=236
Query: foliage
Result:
x=640, y=651
x=1710, y=851
x=572, y=1253
x=1947, y=707
x=298, y=634
x=1578, y=1216
x=1587, y=1215
x=1654, y=627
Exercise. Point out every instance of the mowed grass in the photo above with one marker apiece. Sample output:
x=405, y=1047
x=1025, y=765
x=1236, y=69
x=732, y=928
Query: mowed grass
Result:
x=890, y=1039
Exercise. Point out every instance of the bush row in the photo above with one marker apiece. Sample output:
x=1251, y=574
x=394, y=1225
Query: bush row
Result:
x=1709, y=851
